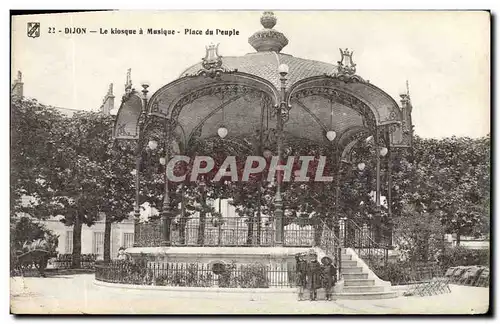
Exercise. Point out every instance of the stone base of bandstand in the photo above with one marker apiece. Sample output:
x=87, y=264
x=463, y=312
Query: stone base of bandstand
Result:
x=279, y=258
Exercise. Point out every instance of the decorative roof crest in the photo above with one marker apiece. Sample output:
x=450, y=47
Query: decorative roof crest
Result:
x=346, y=64
x=212, y=62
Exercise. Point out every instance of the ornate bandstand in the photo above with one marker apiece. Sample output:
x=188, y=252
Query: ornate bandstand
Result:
x=259, y=104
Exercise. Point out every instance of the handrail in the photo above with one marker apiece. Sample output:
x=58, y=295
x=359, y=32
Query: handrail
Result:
x=374, y=253
x=334, y=250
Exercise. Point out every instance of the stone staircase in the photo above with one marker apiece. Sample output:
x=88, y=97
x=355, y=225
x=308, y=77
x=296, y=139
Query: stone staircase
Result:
x=359, y=281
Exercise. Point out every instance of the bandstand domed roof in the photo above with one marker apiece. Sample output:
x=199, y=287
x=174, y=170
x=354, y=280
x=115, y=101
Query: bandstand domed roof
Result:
x=240, y=93
x=264, y=65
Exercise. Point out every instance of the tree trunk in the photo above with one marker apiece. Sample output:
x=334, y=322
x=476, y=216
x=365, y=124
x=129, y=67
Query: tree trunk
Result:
x=458, y=237
x=317, y=228
x=77, y=243
x=203, y=219
x=259, y=220
x=107, y=238
x=201, y=229
x=182, y=222
x=250, y=228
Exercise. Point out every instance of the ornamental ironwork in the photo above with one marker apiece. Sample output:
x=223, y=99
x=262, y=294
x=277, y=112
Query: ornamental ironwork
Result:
x=227, y=90
x=341, y=97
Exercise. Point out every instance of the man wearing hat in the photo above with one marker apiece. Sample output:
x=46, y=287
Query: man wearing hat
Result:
x=313, y=275
x=301, y=268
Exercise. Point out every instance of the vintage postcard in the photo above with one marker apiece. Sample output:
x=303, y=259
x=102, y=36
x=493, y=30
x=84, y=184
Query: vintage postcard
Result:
x=250, y=162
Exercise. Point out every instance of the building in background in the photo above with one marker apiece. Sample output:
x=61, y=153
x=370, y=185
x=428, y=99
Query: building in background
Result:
x=122, y=234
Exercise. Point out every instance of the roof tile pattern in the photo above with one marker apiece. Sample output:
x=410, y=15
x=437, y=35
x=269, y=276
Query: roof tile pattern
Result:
x=265, y=65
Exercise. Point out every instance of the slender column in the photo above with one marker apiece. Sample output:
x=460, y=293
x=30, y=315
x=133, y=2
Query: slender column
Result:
x=377, y=193
x=377, y=149
x=389, y=190
x=138, y=156
x=337, y=189
x=165, y=213
x=278, y=202
x=137, y=211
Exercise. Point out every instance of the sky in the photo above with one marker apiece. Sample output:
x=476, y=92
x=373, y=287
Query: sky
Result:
x=444, y=56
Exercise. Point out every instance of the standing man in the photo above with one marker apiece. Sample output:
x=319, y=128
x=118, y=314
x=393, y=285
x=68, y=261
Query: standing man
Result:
x=313, y=275
x=301, y=269
x=329, y=276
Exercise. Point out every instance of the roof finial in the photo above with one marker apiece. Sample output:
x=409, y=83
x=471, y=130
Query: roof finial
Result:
x=268, y=20
x=19, y=76
x=268, y=39
x=407, y=89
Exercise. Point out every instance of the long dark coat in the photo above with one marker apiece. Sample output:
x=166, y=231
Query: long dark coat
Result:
x=313, y=275
x=301, y=273
x=328, y=275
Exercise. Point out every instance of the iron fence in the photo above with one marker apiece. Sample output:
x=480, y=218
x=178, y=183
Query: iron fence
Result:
x=370, y=244
x=331, y=245
x=197, y=274
x=64, y=261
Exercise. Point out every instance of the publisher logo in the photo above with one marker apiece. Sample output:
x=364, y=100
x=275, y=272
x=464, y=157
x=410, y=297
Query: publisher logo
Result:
x=34, y=29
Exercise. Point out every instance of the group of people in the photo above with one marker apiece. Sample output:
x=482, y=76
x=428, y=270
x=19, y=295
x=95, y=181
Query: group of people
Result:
x=313, y=275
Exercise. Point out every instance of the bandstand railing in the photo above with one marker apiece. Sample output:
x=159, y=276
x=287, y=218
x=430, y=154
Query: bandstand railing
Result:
x=231, y=231
x=196, y=274
x=330, y=243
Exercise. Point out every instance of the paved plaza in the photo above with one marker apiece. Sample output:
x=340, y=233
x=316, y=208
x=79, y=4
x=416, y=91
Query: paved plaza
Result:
x=77, y=294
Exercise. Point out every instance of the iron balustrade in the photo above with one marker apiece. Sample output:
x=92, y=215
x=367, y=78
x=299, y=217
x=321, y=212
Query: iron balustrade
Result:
x=332, y=246
x=361, y=239
x=231, y=231
x=197, y=274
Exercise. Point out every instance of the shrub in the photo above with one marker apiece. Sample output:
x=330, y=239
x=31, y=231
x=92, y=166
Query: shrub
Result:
x=253, y=276
x=460, y=256
x=396, y=273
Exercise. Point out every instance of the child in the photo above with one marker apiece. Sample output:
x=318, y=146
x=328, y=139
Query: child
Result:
x=329, y=276
x=121, y=254
x=313, y=275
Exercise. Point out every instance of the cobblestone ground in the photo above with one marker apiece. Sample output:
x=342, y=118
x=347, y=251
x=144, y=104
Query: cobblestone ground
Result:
x=77, y=294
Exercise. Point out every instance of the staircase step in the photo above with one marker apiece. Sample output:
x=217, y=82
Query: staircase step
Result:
x=355, y=275
x=367, y=295
x=345, y=257
x=349, y=263
x=352, y=270
x=359, y=282
x=360, y=289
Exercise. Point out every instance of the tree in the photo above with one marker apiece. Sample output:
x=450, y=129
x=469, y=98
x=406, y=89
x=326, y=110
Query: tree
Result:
x=32, y=145
x=116, y=161
x=76, y=178
x=447, y=178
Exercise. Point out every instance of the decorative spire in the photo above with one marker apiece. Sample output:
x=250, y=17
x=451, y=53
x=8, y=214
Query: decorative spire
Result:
x=17, y=86
x=108, y=103
x=268, y=39
x=128, y=83
x=405, y=97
